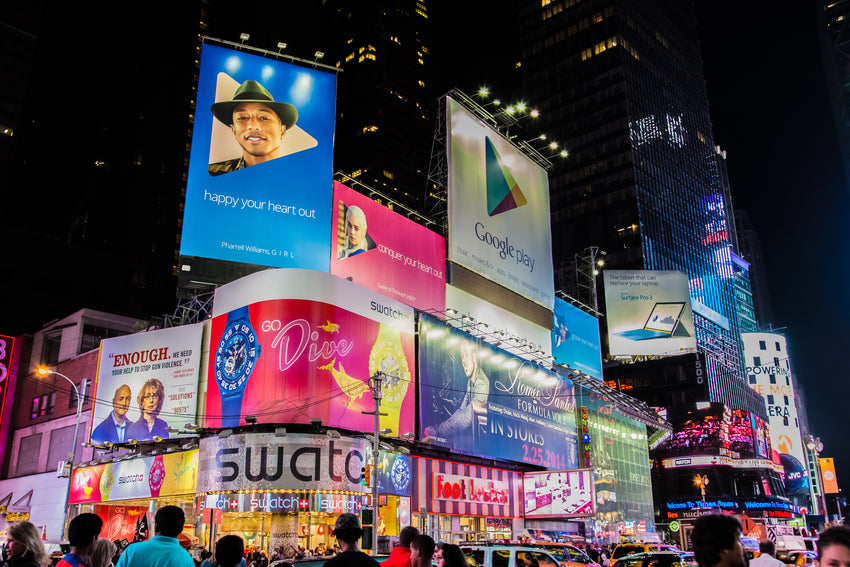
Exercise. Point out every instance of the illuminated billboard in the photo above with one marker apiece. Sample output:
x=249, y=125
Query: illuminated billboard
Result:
x=259, y=185
x=387, y=252
x=291, y=346
x=498, y=209
x=147, y=384
x=827, y=469
x=477, y=399
x=648, y=313
x=558, y=494
x=713, y=429
x=575, y=339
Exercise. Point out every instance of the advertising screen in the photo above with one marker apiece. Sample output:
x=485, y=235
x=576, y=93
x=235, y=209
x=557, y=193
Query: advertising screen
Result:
x=259, y=186
x=575, y=339
x=498, y=209
x=387, y=252
x=558, y=494
x=830, y=483
x=147, y=384
x=290, y=346
x=648, y=313
x=477, y=399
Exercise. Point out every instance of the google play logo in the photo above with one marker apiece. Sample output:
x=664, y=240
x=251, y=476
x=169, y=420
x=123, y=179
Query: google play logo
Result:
x=503, y=192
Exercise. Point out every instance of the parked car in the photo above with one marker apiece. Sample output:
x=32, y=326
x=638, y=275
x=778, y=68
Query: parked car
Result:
x=658, y=559
x=568, y=555
x=314, y=561
x=798, y=557
x=629, y=548
x=507, y=556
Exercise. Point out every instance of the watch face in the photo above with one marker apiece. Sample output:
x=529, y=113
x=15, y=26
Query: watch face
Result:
x=156, y=476
x=236, y=355
x=400, y=473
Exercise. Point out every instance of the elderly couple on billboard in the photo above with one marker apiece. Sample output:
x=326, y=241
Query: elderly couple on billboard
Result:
x=117, y=428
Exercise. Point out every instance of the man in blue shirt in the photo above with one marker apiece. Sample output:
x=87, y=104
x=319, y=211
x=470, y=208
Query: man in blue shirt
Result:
x=114, y=427
x=163, y=549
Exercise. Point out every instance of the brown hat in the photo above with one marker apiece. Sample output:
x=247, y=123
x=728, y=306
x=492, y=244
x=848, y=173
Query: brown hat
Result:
x=252, y=91
x=346, y=522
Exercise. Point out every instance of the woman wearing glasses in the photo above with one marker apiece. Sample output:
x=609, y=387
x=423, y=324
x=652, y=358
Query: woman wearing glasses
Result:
x=150, y=400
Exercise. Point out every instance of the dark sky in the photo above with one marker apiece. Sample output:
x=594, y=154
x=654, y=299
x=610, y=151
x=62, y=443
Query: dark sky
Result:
x=769, y=106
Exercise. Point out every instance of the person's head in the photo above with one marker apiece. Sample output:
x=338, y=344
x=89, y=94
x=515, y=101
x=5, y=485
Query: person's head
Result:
x=22, y=538
x=347, y=528
x=834, y=547
x=206, y=554
x=121, y=401
x=717, y=541
x=406, y=535
x=151, y=396
x=229, y=550
x=84, y=529
x=421, y=550
x=102, y=552
x=468, y=358
x=355, y=227
x=767, y=547
x=169, y=521
x=450, y=555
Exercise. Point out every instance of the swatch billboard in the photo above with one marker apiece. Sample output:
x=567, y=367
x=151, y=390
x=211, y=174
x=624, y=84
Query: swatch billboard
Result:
x=477, y=399
x=498, y=209
x=387, y=252
x=648, y=313
x=575, y=339
x=259, y=186
x=147, y=384
x=291, y=346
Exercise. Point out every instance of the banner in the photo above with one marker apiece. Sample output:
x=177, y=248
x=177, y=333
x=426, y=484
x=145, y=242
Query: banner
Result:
x=827, y=471
x=147, y=383
x=291, y=346
x=575, y=339
x=387, y=252
x=477, y=399
x=648, y=313
x=498, y=209
x=259, y=186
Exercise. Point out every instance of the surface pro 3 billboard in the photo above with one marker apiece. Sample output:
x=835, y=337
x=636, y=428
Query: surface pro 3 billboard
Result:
x=259, y=186
x=648, y=313
x=498, y=209
x=477, y=399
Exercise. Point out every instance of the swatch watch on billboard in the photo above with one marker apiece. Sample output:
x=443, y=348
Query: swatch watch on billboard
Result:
x=387, y=252
x=291, y=346
x=498, y=209
x=477, y=399
x=259, y=184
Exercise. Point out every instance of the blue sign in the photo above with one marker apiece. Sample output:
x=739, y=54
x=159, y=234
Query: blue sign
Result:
x=260, y=171
x=477, y=399
x=575, y=339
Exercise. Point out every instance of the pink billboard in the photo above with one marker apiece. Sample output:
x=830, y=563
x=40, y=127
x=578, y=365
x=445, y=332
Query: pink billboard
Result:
x=292, y=346
x=387, y=252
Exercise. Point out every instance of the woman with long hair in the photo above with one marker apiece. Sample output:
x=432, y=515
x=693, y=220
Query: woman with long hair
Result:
x=24, y=547
x=450, y=556
x=102, y=553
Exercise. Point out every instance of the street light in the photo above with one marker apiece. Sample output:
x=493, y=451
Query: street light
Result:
x=375, y=382
x=701, y=480
x=815, y=445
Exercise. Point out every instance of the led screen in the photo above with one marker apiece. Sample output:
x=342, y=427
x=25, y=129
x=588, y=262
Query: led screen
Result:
x=558, y=494
x=575, y=339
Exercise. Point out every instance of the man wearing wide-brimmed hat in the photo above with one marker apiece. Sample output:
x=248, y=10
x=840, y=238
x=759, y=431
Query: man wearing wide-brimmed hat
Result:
x=258, y=123
x=347, y=532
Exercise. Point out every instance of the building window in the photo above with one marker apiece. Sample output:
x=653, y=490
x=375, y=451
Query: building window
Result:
x=762, y=345
x=785, y=421
x=756, y=361
x=773, y=378
x=787, y=381
x=752, y=378
x=50, y=349
x=27, y=462
x=777, y=346
x=776, y=361
x=786, y=400
x=770, y=399
x=82, y=387
x=43, y=405
x=36, y=403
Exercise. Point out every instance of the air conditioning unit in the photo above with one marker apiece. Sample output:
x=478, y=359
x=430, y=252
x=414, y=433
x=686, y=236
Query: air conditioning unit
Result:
x=64, y=469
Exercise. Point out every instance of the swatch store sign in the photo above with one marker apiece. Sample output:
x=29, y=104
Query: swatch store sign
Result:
x=276, y=502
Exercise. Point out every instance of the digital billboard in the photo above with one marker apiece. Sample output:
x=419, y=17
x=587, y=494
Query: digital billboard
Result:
x=498, y=209
x=387, y=252
x=147, y=384
x=290, y=346
x=648, y=313
x=575, y=339
x=827, y=469
x=558, y=494
x=477, y=399
x=259, y=186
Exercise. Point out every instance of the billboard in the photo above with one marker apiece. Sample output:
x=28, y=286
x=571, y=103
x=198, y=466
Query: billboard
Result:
x=648, y=313
x=477, y=399
x=290, y=346
x=147, y=384
x=498, y=209
x=558, y=494
x=827, y=471
x=387, y=252
x=259, y=185
x=575, y=339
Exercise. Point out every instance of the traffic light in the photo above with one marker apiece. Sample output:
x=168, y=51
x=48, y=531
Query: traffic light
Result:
x=363, y=476
x=368, y=475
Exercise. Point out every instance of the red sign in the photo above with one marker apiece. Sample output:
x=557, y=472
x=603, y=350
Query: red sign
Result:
x=211, y=515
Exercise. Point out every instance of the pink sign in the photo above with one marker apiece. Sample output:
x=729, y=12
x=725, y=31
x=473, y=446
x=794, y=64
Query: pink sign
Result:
x=387, y=252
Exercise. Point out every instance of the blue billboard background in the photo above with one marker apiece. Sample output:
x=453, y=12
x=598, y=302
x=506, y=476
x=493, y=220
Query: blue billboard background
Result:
x=513, y=409
x=276, y=213
x=575, y=339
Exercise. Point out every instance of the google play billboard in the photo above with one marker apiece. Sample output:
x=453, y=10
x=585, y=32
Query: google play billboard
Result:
x=498, y=209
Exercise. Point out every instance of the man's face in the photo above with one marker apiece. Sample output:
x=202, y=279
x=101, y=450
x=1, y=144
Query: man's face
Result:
x=258, y=130
x=467, y=359
x=121, y=401
x=835, y=555
x=354, y=231
x=414, y=555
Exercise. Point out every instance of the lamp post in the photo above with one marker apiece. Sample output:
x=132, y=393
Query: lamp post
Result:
x=815, y=445
x=73, y=453
x=376, y=382
x=701, y=480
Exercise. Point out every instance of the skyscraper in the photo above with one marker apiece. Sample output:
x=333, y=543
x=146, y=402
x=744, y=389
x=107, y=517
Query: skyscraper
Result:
x=620, y=84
